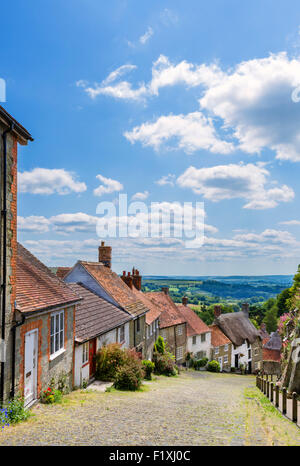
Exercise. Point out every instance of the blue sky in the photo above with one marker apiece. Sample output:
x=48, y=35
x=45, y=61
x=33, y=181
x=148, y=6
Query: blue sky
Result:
x=198, y=92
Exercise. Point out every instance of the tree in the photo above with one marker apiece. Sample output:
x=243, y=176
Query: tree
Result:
x=283, y=301
x=271, y=319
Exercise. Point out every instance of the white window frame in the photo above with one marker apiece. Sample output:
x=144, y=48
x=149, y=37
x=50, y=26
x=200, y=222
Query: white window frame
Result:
x=216, y=350
x=179, y=352
x=194, y=339
x=57, y=335
x=179, y=330
x=203, y=337
x=225, y=348
x=122, y=328
x=225, y=360
x=85, y=352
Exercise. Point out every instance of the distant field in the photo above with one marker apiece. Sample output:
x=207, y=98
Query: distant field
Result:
x=230, y=289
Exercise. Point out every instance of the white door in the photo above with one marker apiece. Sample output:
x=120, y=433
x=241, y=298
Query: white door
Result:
x=30, y=367
x=221, y=363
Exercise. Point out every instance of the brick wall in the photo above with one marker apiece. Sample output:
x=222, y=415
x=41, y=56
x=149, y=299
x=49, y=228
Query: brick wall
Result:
x=11, y=246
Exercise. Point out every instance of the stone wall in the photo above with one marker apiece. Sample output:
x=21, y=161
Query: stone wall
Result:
x=61, y=365
x=174, y=341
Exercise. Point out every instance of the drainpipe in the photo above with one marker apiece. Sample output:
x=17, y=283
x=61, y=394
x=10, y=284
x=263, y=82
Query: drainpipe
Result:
x=4, y=270
x=13, y=359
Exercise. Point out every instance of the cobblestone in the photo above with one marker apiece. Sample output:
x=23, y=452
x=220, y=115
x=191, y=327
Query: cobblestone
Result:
x=196, y=408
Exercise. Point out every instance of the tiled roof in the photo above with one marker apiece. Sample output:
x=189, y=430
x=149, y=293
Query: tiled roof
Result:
x=95, y=316
x=61, y=272
x=195, y=326
x=18, y=129
x=115, y=287
x=217, y=336
x=270, y=355
x=170, y=315
x=154, y=309
x=37, y=287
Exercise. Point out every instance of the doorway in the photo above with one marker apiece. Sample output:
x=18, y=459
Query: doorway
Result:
x=30, y=366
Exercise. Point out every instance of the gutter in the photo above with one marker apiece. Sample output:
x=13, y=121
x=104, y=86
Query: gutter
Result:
x=4, y=255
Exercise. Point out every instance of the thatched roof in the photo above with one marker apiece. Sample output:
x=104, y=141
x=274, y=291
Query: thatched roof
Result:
x=274, y=343
x=237, y=327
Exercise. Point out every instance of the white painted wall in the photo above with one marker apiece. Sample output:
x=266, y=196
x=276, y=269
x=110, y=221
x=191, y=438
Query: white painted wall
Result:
x=200, y=346
x=111, y=337
x=242, y=349
x=81, y=373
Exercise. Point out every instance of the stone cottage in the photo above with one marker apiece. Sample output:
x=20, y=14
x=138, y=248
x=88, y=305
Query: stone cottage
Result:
x=97, y=322
x=44, y=337
x=198, y=333
x=172, y=325
x=99, y=278
x=12, y=134
x=245, y=338
x=221, y=348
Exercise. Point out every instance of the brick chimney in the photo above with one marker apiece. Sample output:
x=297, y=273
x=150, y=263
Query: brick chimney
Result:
x=137, y=279
x=263, y=326
x=165, y=289
x=217, y=311
x=128, y=279
x=105, y=255
x=245, y=309
x=185, y=300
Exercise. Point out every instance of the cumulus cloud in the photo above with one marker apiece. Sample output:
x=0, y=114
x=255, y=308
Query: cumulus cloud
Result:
x=189, y=132
x=140, y=196
x=252, y=100
x=231, y=181
x=49, y=181
x=290, y=222
x=33, y=224
x=108, y=186
x=70, y=223
x=166, y=180
x=145, y=37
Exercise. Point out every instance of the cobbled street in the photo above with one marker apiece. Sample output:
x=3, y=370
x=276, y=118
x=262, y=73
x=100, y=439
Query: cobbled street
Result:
x=196, y=408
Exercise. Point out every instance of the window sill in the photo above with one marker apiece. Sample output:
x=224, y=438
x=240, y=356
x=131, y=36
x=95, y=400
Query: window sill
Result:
x=55, y=355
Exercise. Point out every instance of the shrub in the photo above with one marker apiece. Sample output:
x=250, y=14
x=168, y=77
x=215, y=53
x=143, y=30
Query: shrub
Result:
x=51, y=396
x=129, y=376
x=164, y=364
x=108, y=359
x=148, y=367
x=13, y=412
x=213, y=366
x=200, y=363
x=159, y=345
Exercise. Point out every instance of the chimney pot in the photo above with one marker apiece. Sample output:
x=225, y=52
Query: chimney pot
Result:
x=185, y=300
x=245, y=308
x=217, y=311
x=165, y=289
x=105, y=255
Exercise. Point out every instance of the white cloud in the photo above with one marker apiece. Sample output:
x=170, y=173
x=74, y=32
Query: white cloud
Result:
x=189, y=132
x=168, y=17
x=108, y=186
x=145, y=37
x=252, y=100
x=140, y=196
x=231, y=181
x=70, y=223
x=49, y=181
x=166, y=180
x=290, y=222
x=33, y=224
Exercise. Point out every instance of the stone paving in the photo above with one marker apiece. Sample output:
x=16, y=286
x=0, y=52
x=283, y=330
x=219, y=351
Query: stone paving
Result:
x=196, y=408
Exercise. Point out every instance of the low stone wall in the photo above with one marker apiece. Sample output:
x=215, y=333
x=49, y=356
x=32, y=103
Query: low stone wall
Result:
x=271, y=367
